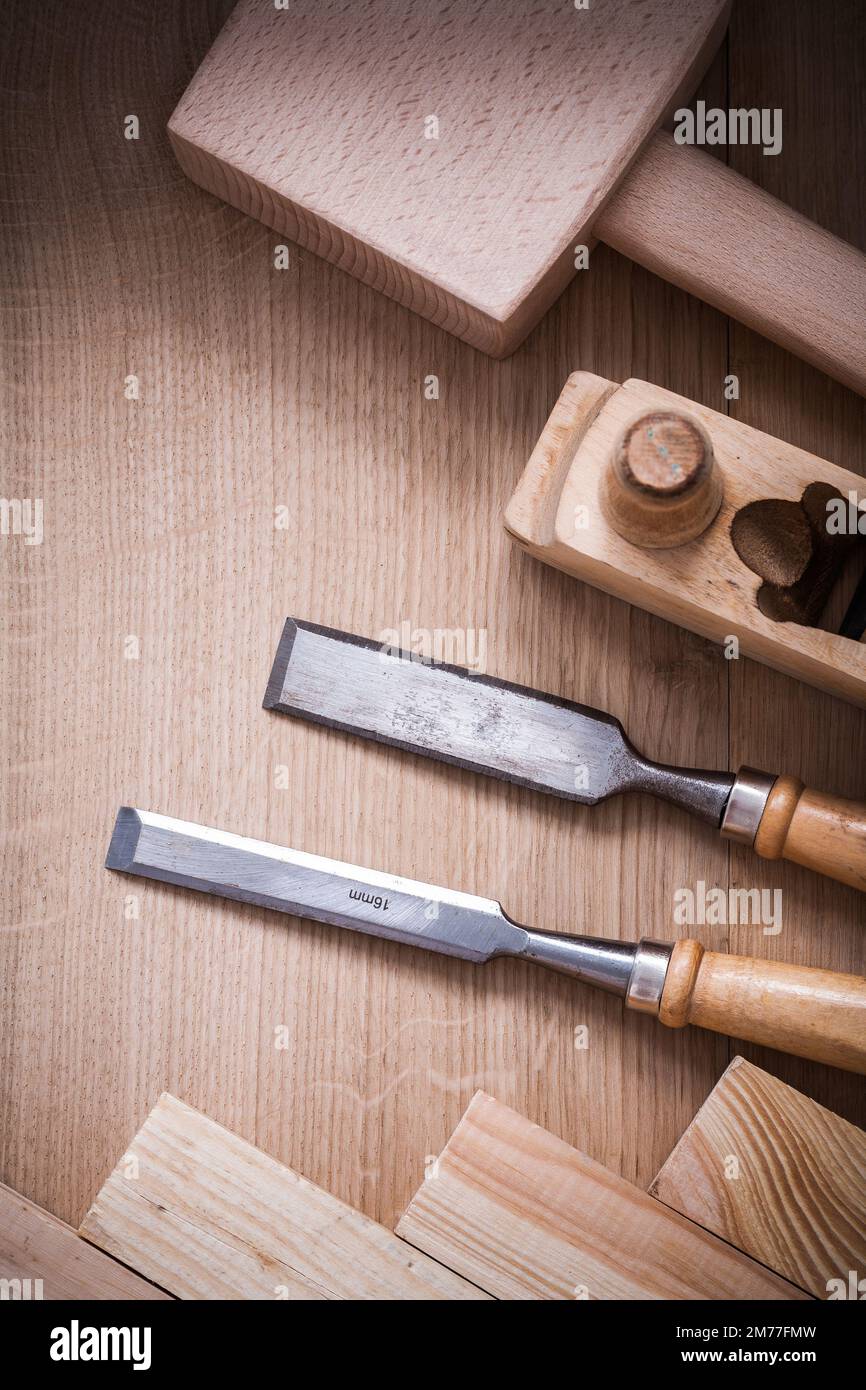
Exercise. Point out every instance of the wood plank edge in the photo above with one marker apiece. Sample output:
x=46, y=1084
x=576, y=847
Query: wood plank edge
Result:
x=91, y=1233
x=85, y=1240
x=652, y=1190
x=480, y=1097
x=55, y=1225
x=685, y=1137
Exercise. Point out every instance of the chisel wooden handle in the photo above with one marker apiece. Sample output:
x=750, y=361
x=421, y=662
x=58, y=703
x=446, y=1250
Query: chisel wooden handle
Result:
x=811, y=1013
x=694, y=221
x=821, y=832
x=782, y=819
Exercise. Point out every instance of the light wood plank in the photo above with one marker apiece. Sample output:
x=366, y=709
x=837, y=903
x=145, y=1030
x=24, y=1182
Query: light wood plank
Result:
x=209, y=1216
x=525, y=1216
x=777, y=1175
x=44, y=1258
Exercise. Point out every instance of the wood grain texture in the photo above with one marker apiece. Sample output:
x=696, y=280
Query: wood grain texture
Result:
x=699, y=224
x=209, y=1216
x=34, y=1245
x=560, y=512
x=312, y=119
x=527, y=1217
x=775, y=1174
x=813, y=1013
x=305, y=390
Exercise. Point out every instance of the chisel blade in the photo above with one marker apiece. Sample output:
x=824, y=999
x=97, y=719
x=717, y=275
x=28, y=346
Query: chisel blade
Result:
x=474, y=721
x=308, y=885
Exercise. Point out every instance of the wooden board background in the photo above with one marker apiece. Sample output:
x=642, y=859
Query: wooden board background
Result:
x=301, y=388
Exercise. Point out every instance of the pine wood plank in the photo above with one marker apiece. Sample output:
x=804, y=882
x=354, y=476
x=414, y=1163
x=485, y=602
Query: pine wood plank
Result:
x=42, y=1257
x=777, y=1175
x=209, y=1216
x=526, y=1216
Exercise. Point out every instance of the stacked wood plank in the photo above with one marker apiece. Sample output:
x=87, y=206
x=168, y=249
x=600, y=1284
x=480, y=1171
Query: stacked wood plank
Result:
x=207, y=1215
x=764, y=1197
x=525, y=1216
x=43, y=1258
x=775, y=1174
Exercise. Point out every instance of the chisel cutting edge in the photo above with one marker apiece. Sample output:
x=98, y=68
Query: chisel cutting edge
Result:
x=812, y=1013
x=549, y=744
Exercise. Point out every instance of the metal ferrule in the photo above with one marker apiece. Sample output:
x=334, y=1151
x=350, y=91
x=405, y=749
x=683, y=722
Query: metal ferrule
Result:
x=746, y=805
x=647, y=979
x=593, y=960
x=634, y=971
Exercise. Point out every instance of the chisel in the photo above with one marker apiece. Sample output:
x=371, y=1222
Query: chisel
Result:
x=547, y=743
x=812, y=1013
